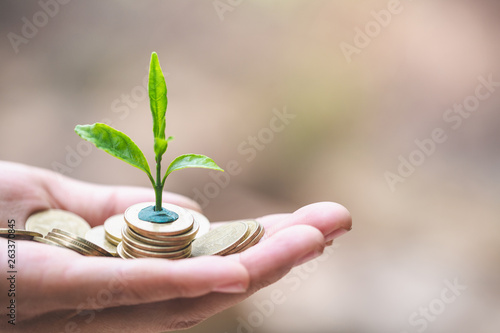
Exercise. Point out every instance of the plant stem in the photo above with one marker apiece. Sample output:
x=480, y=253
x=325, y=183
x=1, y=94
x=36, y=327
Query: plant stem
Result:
x=158, y=186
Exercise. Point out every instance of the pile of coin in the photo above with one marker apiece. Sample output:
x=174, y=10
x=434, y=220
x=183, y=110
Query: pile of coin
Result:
x=128, y=237
x=143, y=239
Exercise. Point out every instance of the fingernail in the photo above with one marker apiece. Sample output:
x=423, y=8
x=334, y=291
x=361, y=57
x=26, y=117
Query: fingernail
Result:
x=335, y=234
x=231, y=288
x=308, y=257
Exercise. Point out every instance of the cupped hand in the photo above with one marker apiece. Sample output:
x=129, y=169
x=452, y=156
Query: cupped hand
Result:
x=57, y=290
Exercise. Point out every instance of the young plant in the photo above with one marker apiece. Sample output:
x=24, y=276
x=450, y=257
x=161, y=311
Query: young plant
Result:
x=121, y=146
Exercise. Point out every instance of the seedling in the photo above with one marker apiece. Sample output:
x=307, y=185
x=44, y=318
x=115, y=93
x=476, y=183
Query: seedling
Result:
x=121, y=146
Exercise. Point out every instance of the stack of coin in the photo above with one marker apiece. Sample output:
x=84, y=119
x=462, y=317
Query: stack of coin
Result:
x=229, y=238
x=143, y=239
x=74, y=242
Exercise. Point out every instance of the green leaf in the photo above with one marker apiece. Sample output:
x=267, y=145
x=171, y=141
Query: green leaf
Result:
x=157, y=97
x=114, y=143
x=191, y=161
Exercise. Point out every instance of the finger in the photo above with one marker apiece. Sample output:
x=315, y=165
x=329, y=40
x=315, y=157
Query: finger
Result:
x=95, y=203
x=72, y=280
x=330, y=218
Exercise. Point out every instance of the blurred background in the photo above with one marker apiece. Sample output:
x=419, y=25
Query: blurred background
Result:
x=316, y=101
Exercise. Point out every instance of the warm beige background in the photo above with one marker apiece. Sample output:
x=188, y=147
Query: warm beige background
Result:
x=353, y=121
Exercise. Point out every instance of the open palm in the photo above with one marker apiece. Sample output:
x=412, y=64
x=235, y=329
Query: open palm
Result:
x=59, y=290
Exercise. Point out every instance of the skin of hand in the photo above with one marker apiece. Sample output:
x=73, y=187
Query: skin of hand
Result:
x=58, y=290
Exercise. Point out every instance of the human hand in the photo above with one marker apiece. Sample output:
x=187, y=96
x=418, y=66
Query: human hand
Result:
x=58, y=290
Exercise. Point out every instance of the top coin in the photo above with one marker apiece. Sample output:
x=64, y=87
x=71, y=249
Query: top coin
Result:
x=220, y=240
x=181, y=225
x=45, y=221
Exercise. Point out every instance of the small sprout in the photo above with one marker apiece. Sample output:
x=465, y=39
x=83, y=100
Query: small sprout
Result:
x=121, y=146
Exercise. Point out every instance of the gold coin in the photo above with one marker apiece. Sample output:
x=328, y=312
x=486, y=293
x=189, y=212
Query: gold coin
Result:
x=68, y=245
x=60, y=237
x=46, y=241
x=254, y=241
x=81, y=240
x=113, y=226
x=110, y=239
x=122, y=253
x=127, y=238
x=109, y=236
x=254, y=228
x=233, y=249
x=96, y=235
x=202, y=221
x=18, y=234
x=181, y=225
x=220, y=240
x=45, y=221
